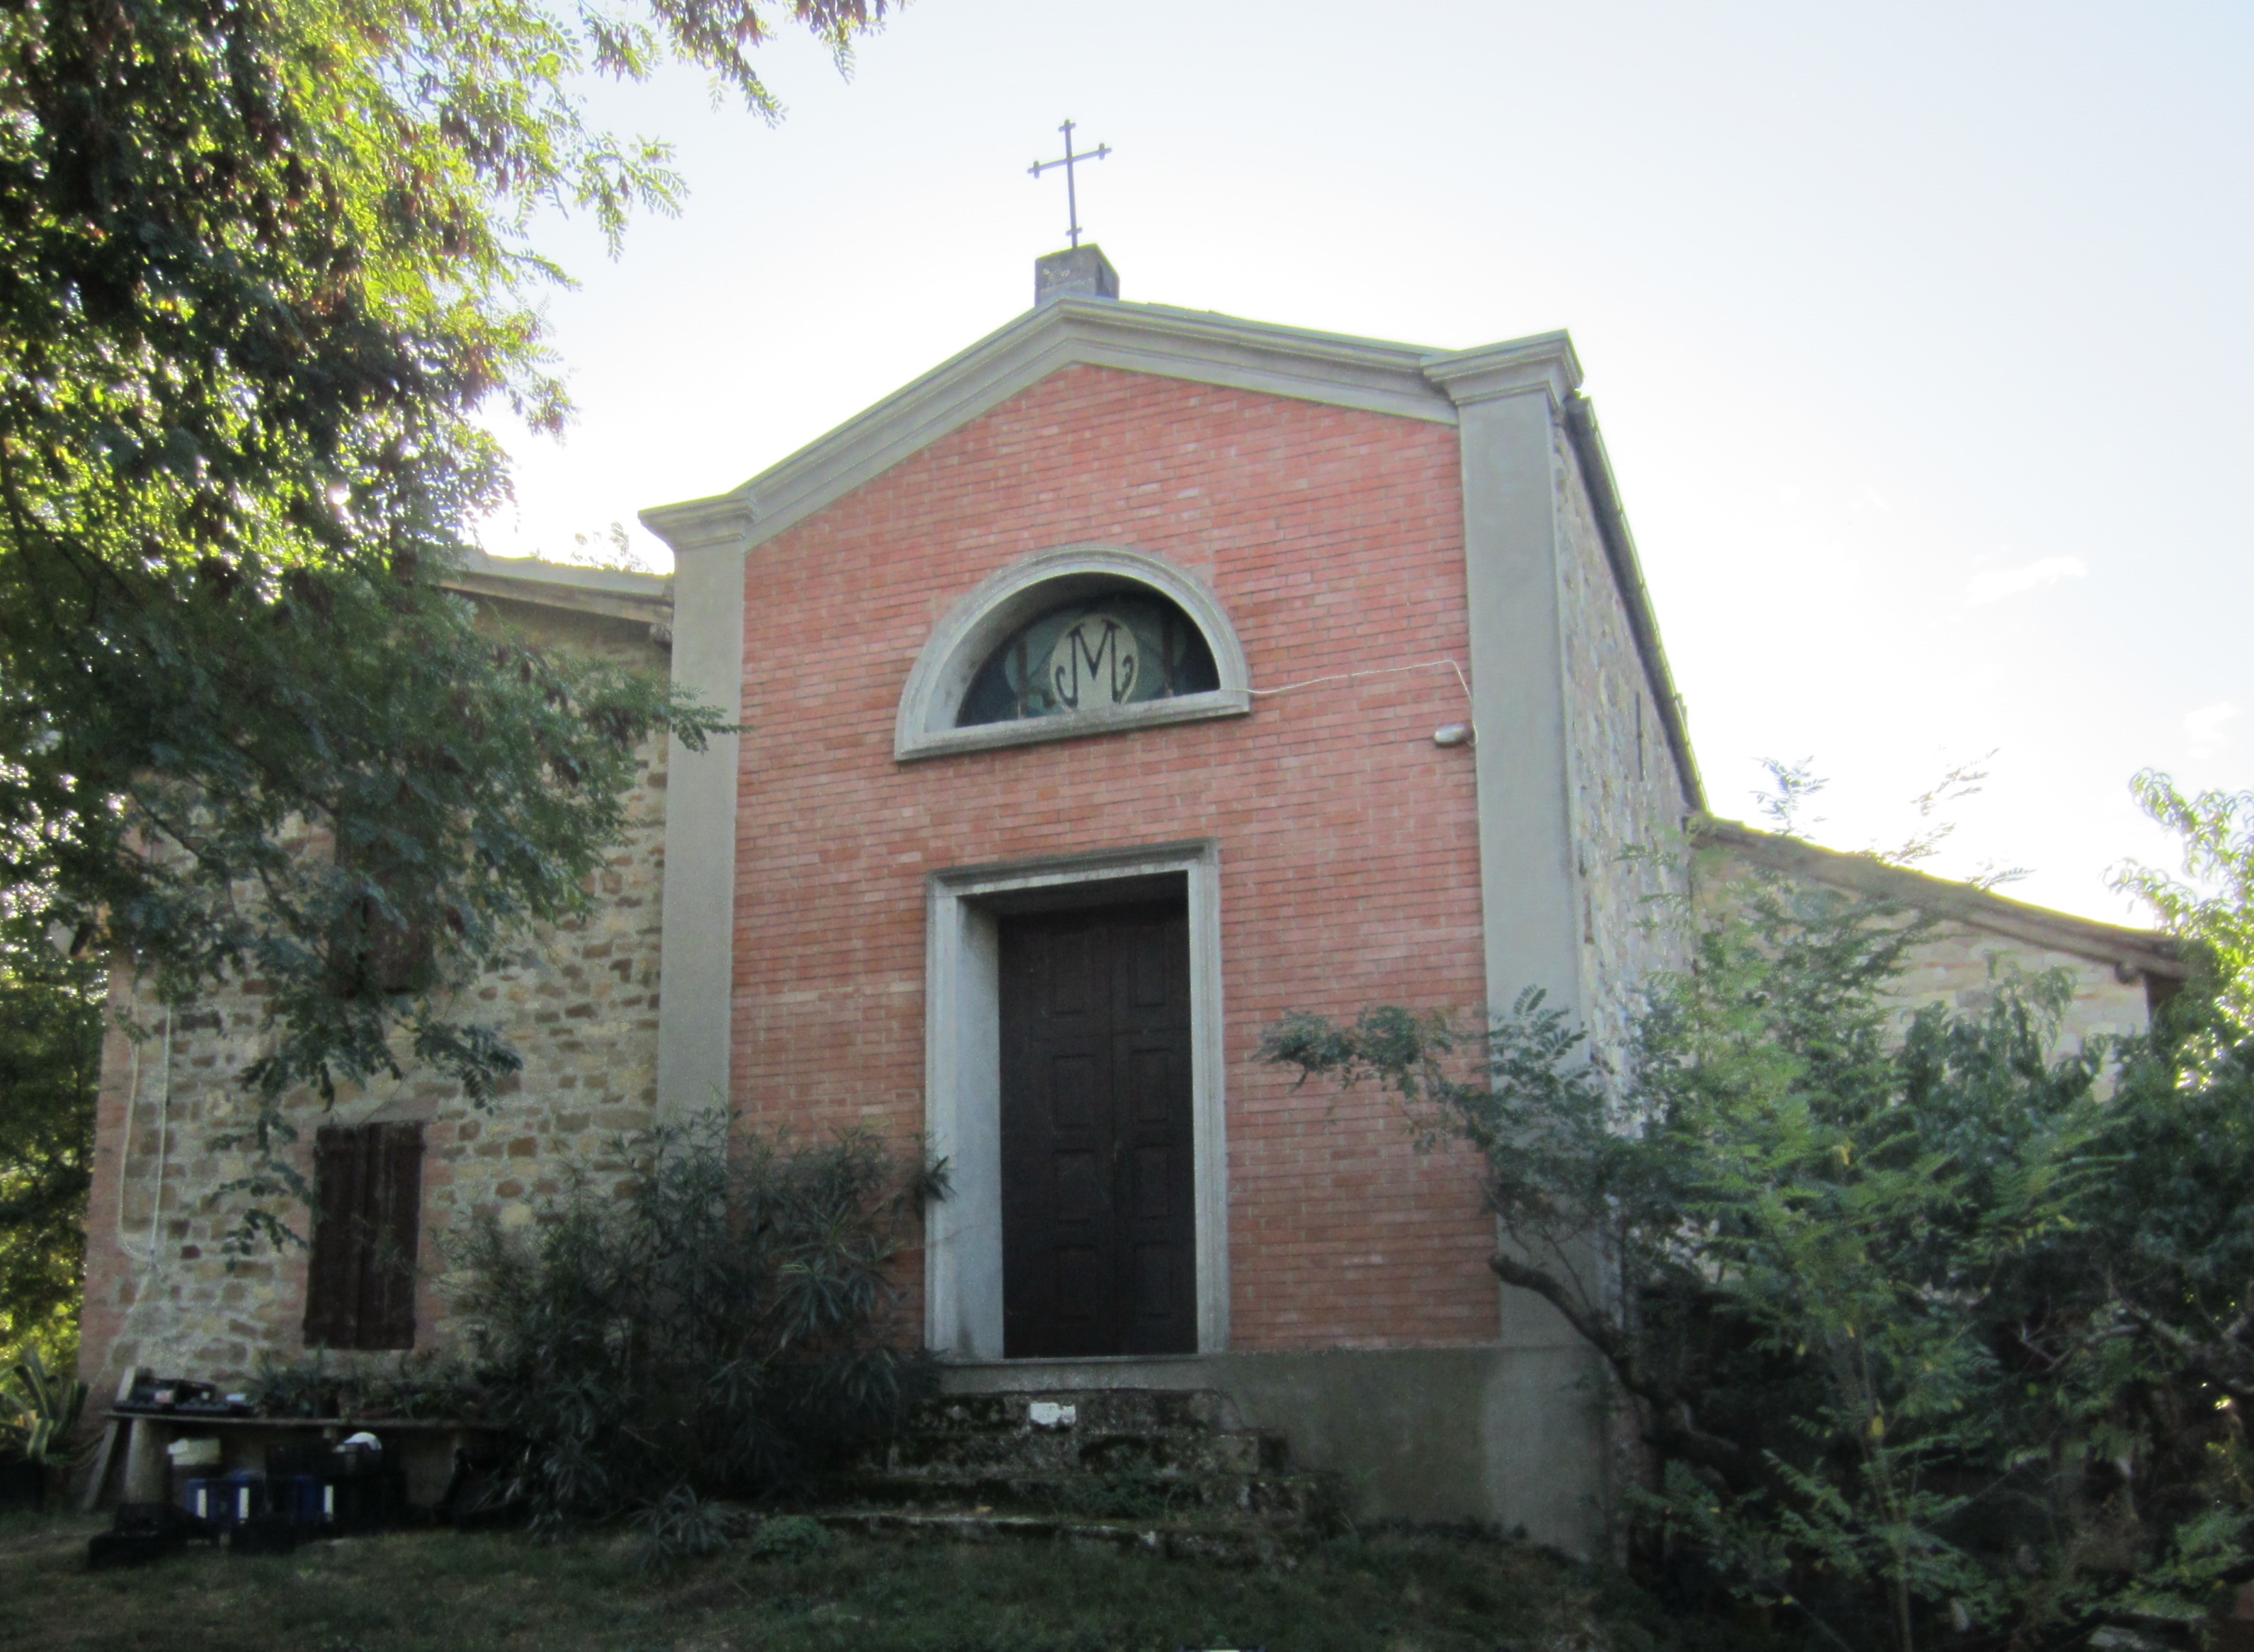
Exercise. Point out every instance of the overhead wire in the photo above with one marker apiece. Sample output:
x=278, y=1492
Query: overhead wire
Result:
x=1375, y=671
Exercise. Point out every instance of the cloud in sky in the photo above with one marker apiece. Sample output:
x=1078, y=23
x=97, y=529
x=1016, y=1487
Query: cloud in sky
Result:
x=2000, y=582
x=2208, y=727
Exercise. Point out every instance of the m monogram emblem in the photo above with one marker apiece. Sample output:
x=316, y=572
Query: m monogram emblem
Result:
x=1095, y=662
x=1103, y=651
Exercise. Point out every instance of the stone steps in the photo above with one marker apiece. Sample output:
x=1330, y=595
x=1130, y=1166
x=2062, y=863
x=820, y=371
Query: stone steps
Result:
x=1287, y=1499
x=1233, y=1543
x=1101, y=1410
x=1064, y=1452
x=1167, y=1470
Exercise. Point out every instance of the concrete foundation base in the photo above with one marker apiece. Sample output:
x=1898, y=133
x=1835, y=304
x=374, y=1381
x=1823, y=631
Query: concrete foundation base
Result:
x=1514, y=1438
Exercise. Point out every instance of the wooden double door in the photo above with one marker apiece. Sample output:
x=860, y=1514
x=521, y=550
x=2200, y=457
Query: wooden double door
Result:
x=1099, y=1226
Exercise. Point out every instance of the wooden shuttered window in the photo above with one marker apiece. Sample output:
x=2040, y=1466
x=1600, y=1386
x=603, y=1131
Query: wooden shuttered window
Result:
x=381, y=954
x=368, y=1226
x=373, y=947
x=372, y=951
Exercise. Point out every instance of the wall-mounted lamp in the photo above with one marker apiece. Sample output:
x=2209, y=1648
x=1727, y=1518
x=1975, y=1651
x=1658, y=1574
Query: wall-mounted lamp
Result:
x=1452, y=734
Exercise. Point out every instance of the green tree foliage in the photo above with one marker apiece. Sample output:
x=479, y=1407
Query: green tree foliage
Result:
x=45, y=1409
x=264, y=266
x=727, y=1327
x=50, y=1064
x=1934, y=1337
x=2214, y=908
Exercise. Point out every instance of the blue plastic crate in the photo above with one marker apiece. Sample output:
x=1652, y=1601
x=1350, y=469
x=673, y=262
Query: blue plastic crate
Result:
x=207, y=1500
x=245, y=1495
x=297, y=1497
x=362, y=1501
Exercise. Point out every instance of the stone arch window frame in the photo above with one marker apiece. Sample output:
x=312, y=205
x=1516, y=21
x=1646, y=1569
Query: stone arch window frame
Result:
x=983, y=621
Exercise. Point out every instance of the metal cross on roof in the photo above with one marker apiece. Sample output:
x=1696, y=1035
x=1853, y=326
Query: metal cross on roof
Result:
x=1071, y=160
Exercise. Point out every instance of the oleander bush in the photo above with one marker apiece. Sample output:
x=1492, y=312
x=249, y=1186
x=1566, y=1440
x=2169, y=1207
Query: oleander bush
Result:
x=724, y=1325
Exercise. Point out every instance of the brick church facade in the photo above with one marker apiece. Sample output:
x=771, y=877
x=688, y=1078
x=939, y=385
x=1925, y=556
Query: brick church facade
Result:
x=1131, y=680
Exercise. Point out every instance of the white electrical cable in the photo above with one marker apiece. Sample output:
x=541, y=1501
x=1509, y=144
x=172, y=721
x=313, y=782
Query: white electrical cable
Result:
x=163, y=1138
x=125, y=1151
x=163, y=1141
x=1381, y=671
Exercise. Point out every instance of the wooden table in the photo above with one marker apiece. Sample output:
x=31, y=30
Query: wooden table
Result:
x=424, y=1448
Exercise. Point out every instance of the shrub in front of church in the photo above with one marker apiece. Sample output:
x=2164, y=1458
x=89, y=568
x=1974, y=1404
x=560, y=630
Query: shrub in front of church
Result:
x=325, y=1385
x=1931, y=1340
x=724, y=1324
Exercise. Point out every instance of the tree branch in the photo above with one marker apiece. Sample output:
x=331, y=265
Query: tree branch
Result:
x=1668, y=1423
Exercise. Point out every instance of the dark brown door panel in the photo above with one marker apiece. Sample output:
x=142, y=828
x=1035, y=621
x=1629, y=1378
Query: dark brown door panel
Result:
x=1099, y=1234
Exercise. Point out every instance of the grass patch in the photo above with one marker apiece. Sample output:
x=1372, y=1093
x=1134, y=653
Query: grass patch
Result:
x=1391, y=1592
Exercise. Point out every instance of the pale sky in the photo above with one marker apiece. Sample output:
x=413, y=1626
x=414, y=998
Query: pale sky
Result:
x=1921, y=334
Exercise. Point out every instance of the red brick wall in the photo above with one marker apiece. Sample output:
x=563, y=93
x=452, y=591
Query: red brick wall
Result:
x=1349, y=841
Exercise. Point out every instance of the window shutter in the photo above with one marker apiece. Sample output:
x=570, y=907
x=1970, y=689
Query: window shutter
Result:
x=371, y=949
x=360, y=1283
x=395, y=1213
x=333, y=1276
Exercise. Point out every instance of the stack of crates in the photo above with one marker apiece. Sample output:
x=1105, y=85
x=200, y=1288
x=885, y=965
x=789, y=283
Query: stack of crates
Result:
x=314, y=1488
x=197, y=1468
x=293, y=1484
x=360, y=1491
x=344, y=1489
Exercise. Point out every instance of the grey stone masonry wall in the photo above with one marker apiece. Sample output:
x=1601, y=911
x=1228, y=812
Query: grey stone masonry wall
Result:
x=1960, y=964
x=1978, y=937
x=580, y=1006
x=1626, y=791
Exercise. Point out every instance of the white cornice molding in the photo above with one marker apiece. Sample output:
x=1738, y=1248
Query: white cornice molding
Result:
x=1331, y=368
x=1545, y=362
x=723, y=523
x=1078, y=726
x=1335, y=369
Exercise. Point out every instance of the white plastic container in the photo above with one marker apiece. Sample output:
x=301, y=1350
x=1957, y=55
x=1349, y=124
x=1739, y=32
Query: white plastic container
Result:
x=194, y=1453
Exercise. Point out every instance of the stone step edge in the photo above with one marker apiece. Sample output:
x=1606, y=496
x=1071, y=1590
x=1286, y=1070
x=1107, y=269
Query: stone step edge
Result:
x=1261, y=1446
x=1069, y=1395
x=1249, y=1543
x=1019, y=1488
x=1062, y=1471
x=1085, y=1445
x=1018, y=1414
x=1277, y=1503
x=1170, y=1436
x=1180, y=1402
x=1002, y=1475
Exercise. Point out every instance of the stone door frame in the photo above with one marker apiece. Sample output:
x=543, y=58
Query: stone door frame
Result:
x=962, y=1076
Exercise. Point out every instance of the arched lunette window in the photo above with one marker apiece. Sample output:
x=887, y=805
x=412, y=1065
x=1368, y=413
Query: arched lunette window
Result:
x=1082, y=640
x=1115, y=648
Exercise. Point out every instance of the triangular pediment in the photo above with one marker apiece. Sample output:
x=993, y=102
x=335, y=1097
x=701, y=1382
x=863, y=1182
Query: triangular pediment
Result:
x=1365, y=374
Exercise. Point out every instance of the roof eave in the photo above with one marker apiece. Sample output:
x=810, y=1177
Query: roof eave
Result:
x=1588, y=440
x=2143, y=950
x=614, y=593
